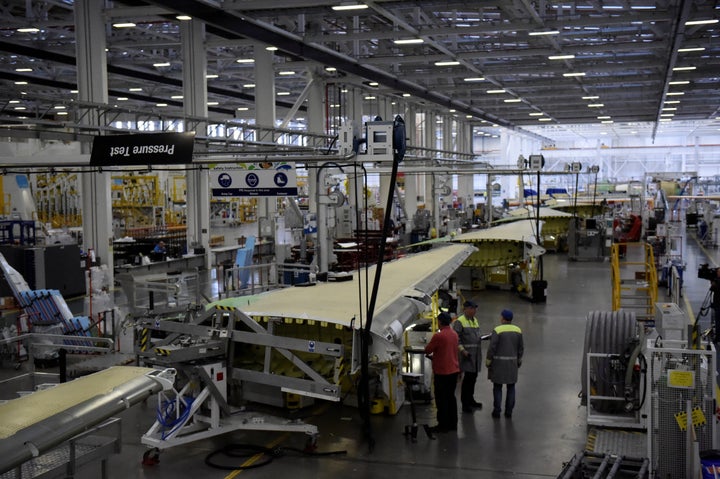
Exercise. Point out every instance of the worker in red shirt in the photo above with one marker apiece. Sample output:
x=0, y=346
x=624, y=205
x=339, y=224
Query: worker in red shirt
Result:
x=443, y=350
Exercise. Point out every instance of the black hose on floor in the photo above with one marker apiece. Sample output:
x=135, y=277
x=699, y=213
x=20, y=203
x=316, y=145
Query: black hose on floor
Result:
x=248, y=450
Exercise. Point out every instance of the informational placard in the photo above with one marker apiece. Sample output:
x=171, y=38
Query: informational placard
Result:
x=254, y=180
x=142, y=149
x=681, y=379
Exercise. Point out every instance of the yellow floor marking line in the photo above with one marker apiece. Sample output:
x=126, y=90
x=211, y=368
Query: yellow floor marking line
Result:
x=252, y=460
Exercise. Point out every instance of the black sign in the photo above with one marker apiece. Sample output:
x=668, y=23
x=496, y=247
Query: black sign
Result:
x=142, y=149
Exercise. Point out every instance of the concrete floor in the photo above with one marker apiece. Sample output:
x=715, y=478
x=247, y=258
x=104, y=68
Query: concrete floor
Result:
x=547, y=428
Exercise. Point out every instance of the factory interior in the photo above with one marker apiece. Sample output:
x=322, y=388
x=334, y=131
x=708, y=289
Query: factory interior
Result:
x=230, y=229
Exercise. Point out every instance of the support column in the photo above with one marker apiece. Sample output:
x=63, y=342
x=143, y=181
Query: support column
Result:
x=316, y=124
x=265, y=116
x=93, y=87
x=195, y=104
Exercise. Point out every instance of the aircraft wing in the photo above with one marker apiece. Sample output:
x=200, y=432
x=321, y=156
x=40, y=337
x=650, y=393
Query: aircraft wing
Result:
x=502, y=244
x=405, y=288
x=36, y=423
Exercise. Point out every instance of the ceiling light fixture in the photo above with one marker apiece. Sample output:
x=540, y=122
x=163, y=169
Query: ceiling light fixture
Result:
x=21, y=83
x=544, y=119
x=591, y=97
x=330, y=69
x=512, y=100
x=669, y=109
x=679, y=82
x=672, y=102
x=604, y=117
x=23, y=69
x=160, y=104
x=448, y=63
x=406, y=95
x=245, y=60
x=184, y=18
x=213, y=103
x=286, y=73
x=135, y=89
x=122, y=98
x=163, y=64
x=124, y=25
x=242, y=108
x=249, y=85
x=691, y=49
x=408, y=41
x=574, y=74
x=675, y=93
x=474, y=79
x=352, y=6
x=536, y=113
x=210, y=76
x=546, y=32
x=683, y=69
x=596, y=105
x=176, y=97
x=702, y=22
x=373, y=83
x=493, y=92
x=283, y=93
x=369, y=97
x=607, y=122
x=29, y=30
x=561, y=57
x=271, y=49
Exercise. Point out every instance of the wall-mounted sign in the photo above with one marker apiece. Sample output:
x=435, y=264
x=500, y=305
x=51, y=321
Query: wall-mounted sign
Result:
x=142, y=149
x=248, y=180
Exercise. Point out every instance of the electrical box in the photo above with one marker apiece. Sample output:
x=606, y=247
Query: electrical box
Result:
x=670, y=321
x=379, y=140
x=345, y=139
x=536, y=162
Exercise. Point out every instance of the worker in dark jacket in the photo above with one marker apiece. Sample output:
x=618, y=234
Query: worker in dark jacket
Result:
x=442, y=349
x=503, y=360
x=468, y=331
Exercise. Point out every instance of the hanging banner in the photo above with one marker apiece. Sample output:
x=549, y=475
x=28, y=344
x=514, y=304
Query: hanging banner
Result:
x=254, y=180
x=142, y=149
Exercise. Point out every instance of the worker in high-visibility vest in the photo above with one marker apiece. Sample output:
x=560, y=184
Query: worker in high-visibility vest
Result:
x=470, y=355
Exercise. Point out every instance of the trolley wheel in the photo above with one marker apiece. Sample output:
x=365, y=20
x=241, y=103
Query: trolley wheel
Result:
x=151, y=457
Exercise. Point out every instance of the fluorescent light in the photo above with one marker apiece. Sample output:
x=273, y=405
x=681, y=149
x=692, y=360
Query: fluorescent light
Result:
x=449, y=63
x=544, y=119
x=643, y=7
x=536, y=113
x=561, y=57
x=575, y=74
x=176, y=97
x=693, y=49
x=160, y=104
x=512, y=100
x=369, y=97
x=20, y=108
x=60, y=107
x=665, y=119
x=596, y=105
x=452, y=110
x=74, y=91
x=669, y=109
x=242, y=108
x=607, y=122
x=162, y=64
x=591, y=97
x=14, y=102
x=547, y=32
x=373, y=83
x=62, y=113
x=286, y=72
x=122, y=98
x=21, y=83
x=211, y=76
x=612, y=7
x=408, y=41
x=493, y=92
x=213, y=103
x=468, y=116
x=249, y=85
x=474, y=79
x=683, y=69
x=675, y=93
x=184, y=18
x=28, y=30
x=672, y=102
x=667, y=114
x=23, y=69
x=603, y=117
x=245, y=60
x=701, y=22
x=283, y=93
x=271, y=49
x=406, y=95
x=355, y=6
x=124, y=25
x=680, y=82
x=330, y=69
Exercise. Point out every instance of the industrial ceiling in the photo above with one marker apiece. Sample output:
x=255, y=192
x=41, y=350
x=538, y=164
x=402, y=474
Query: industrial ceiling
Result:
x=536, y=66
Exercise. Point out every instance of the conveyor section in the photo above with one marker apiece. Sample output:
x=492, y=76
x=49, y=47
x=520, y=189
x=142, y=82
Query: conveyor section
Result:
x=38, y=422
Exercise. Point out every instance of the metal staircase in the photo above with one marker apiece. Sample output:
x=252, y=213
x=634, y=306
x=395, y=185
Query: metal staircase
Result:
x=634, y=279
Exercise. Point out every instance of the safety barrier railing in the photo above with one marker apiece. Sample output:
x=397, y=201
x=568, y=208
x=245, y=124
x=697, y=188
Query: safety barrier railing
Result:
x=640, y=290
